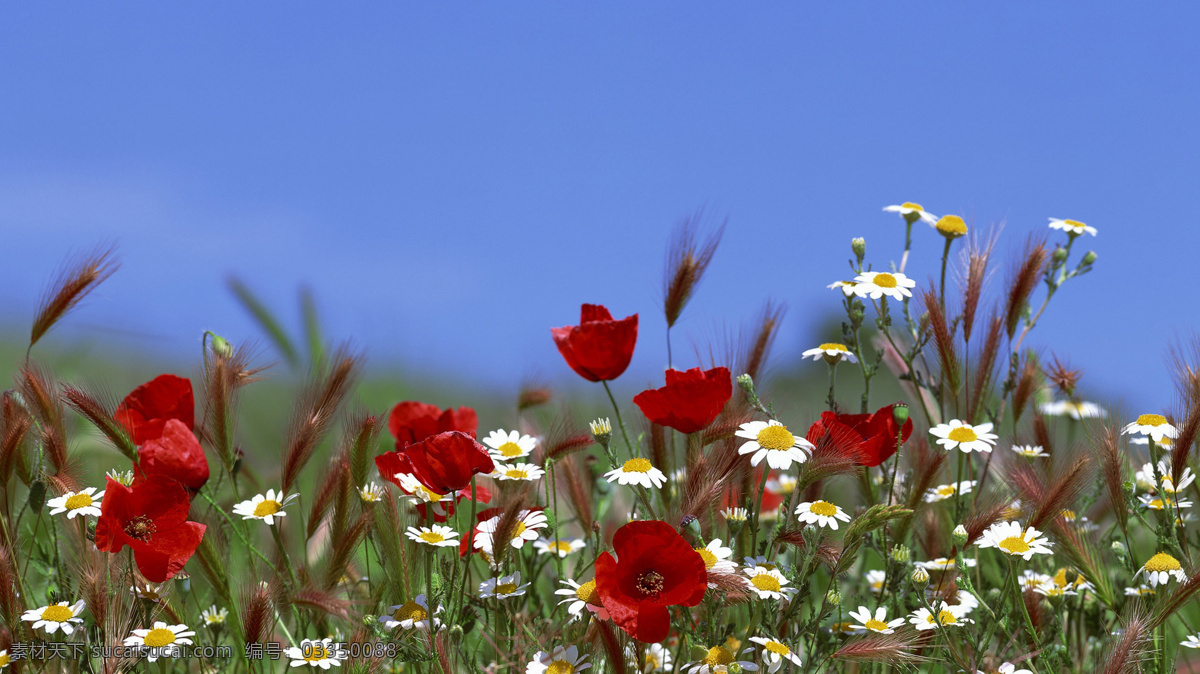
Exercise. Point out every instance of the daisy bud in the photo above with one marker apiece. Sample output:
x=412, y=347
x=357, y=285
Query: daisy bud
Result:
x=456, y=634
x=734, y=668
x=951, y=226
x=1118, y=549
x=601, y=431
x=919, y=578
x=859, y=246
x=1088, y=258
x=960, y=535
x=901, y=554
x=746, y=383
x=1060, y=255
x=125, y=478
x=37, y=496
x=834, y=597
x=900, y=414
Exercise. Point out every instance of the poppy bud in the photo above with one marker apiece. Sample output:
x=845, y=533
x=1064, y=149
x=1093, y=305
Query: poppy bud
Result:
x=219, y=345
x=960, y=535
x=184, y=581
x=1088, y=258
x=920, y=578
x=900, y=413
x=859, y=246
x=37, y=496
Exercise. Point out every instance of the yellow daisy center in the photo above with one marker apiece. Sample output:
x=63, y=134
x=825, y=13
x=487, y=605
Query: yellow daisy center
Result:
x=587, y=593
x=777, y=648
x=157, y=638
x=4, y=660
x=410, y=611
x=1151, y=420
x=560, y=667
x=1014, y=545
x=709, y=558
x=823, y=508
x=830, y=346
x=911, y=206
x=58, y=614
x=945, y=617
x=519, y=474
x=946, y=490
x=1156, y=504
x=963, y=434
x=637, y=466
x=1162, y=562
x=506, y=588
x=519, y=530
x=951, y=225
x=432, y=537
x=510, y=449
x=717, y=655
x=430, y=495
x=561, y=547
x=776, y=437
x=78, y=501
x=884, y=280
x=317, y=653
x=766, y=582
x=877, y=625
x=267, y=507
x=652, y=662
x=1074, y=223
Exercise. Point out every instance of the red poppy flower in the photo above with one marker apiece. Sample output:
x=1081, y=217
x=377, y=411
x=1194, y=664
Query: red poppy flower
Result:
x=690, y=400
x=445, y=462
x=412, y=421
x=875, y=434
x=599, y=348
x=151, y=518
x=147, y=409
x=177, y=455
x=655, y=568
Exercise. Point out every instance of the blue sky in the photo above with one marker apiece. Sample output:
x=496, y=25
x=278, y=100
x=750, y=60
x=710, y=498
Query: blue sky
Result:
x=454, y=180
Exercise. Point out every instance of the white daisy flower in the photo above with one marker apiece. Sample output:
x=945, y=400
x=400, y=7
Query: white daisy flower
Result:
x=963, y=436
x=875, y=580
x=1007, y=668
x=149, y=592
x=5, y=658
x=1153, y=425
x=761, y=560
x=527, y=526
x=503, y=587
x=1166, y=444
x=717, y=558
x=947, y=616
x=1145, y=479
x=1193, y=641
x=637, y=471
x=774, y=442
x=831, y=352
x=1160, y=569
x=775, y=653
x=656, y=658
x=214, y=617
x=821, y=513
x=321, y=653
x=944, y=564
x=601, y=428
x=160, y=641
x=717, y=661
x=1185, y=480
x=437, y=535
x=506, y=446
x=1140, y=590
x=1072, y=227
x=877, y=623
x=561, y=660
x=419, y=494
x=412, y=614
x=370, y=493
x=846, y=286
x=581, y=597
x=735, y=514
x=876, y=284
x=951, y=226
x=265, y=507
x=85, y=502
x=769, y=583
x=560, y=547
x=55, y=616
x=912, y=212
x=1163, y=502
x=1030, y=451
x=947, y=491
x=1030, y=580
x=1014, y=539
x=122, y=477
x=784, y=483
x=518, y=471
x=1071, y=408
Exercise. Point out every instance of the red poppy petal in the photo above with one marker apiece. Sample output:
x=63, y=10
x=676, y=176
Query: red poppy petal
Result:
x=594, y=312
x=167, y=551
x=653, y=623
x=148, y=407
x=177, y=455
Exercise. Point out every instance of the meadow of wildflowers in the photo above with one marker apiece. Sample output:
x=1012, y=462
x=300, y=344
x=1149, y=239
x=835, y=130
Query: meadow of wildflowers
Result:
x=990, y=520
